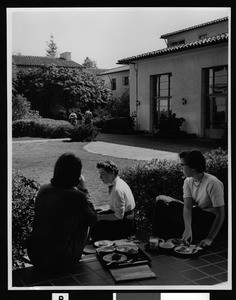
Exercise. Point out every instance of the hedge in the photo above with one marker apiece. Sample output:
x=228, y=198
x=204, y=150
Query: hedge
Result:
x=24, y=191
x=165, y=177
x=45, y=128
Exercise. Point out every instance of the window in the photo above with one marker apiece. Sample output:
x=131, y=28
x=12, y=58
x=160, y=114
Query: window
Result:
x=125, y=80
x=216, y=87
x=202, y=36
x=162, y=91
x=177, y=43
x=113, y=84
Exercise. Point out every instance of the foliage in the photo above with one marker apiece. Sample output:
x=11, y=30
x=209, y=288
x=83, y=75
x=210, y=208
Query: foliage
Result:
x=23, y=196
x=123, y=125
x=21, y=108
x=51, y=86
x=52, y=50
x=88, y=63
x=45, y=128
x=169, y=126
x=165, y=177
x=119, y=107
x=84, y=133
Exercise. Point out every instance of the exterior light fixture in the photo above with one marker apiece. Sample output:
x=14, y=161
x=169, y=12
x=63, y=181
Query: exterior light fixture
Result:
x=184, y=101
x=138, y=103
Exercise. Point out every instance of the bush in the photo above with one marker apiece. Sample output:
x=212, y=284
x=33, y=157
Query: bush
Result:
x=45, y=128
x=119, y=107
x=84, y=133
x=23, y=197
x=165, y=177
x=21, y=108
x=169, y=127
x=121, y=125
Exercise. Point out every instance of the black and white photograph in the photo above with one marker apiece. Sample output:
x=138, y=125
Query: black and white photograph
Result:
x=119, y=150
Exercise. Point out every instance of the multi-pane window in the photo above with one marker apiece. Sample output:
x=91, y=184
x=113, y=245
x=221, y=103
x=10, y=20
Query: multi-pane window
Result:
x=216, y=97
x=125, y=80
x=113, y=84
x=162, y=91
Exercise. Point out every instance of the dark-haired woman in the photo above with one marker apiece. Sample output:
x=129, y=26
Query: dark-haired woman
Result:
x=203, y=208
x=63, y=214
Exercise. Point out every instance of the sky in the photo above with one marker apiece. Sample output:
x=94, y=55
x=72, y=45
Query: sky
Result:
x=103, y=34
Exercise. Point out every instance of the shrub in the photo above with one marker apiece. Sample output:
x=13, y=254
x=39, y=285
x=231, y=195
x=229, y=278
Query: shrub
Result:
x=118, y=125
x=170, y=127
x=45, y=128
x=23, y=196
x=84, y=133
x=119, y=107
x=21, y=108
x=165, y=177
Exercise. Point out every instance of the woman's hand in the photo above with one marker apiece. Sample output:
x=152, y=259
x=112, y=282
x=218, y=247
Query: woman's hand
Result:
x=82, y=183
x=205, y=243
x=187, y=236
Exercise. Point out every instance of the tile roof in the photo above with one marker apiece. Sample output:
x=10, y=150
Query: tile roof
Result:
x=38, y=61
x=95, y=71
x=115, y=70
x=194, y=27
x=217, y=39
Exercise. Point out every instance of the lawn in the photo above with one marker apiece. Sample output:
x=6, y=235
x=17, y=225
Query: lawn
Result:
x=36, y=160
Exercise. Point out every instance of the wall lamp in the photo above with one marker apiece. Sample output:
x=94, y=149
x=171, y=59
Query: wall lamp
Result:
x=138, y=103
x=183, y=101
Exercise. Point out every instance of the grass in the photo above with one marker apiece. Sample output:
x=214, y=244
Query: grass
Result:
x=37, y=160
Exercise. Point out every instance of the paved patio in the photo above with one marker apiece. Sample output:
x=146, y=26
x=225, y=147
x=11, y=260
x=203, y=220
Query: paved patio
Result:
x=209, y=269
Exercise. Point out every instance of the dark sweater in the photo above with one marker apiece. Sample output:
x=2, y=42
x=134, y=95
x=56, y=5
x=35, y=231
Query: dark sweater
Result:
x=60, y=226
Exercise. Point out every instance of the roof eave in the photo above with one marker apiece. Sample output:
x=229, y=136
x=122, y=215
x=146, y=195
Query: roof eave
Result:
x=151, y=55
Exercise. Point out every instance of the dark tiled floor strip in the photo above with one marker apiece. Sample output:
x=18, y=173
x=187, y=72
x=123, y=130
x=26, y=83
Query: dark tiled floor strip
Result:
x=208, y=269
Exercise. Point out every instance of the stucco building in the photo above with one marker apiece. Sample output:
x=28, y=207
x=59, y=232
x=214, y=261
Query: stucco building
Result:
x=116, y=79
x=189, y=78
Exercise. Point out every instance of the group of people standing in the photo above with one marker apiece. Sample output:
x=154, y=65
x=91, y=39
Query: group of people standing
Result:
x=77, y=119
x=66, y=220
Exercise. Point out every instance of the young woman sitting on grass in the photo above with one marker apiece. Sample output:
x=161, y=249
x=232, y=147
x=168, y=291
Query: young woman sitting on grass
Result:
x=63, y=214
x=200, y=217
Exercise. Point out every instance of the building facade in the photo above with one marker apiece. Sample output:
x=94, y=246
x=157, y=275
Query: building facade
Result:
x=189, y=78
x=117, y=80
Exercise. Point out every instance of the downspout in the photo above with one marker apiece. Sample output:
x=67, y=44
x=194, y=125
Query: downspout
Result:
x=136, y=93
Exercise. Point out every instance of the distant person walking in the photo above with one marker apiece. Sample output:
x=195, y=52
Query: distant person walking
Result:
x=73, y=118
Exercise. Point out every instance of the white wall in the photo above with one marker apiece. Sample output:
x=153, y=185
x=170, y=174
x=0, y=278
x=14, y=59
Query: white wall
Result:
x=120, y=87
x=186, y=68
x=193, y=35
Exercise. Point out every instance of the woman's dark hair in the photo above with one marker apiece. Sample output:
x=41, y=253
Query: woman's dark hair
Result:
x=67, y=170
x=194, y=159
x=108, y=166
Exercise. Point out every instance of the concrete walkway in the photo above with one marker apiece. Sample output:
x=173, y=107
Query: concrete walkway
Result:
x=130, y=152
x=115, y=150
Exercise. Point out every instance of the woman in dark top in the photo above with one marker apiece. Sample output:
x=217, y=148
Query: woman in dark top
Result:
x=63, y=214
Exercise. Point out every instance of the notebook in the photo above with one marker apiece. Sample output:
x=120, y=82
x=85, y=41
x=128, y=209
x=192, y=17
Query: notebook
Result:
x=132, y=273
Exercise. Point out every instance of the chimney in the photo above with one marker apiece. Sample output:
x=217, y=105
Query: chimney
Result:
x=66, y=55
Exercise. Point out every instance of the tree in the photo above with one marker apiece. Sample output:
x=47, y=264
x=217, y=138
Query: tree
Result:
x=51, y=86
x=88, y=63
x=52, y=50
